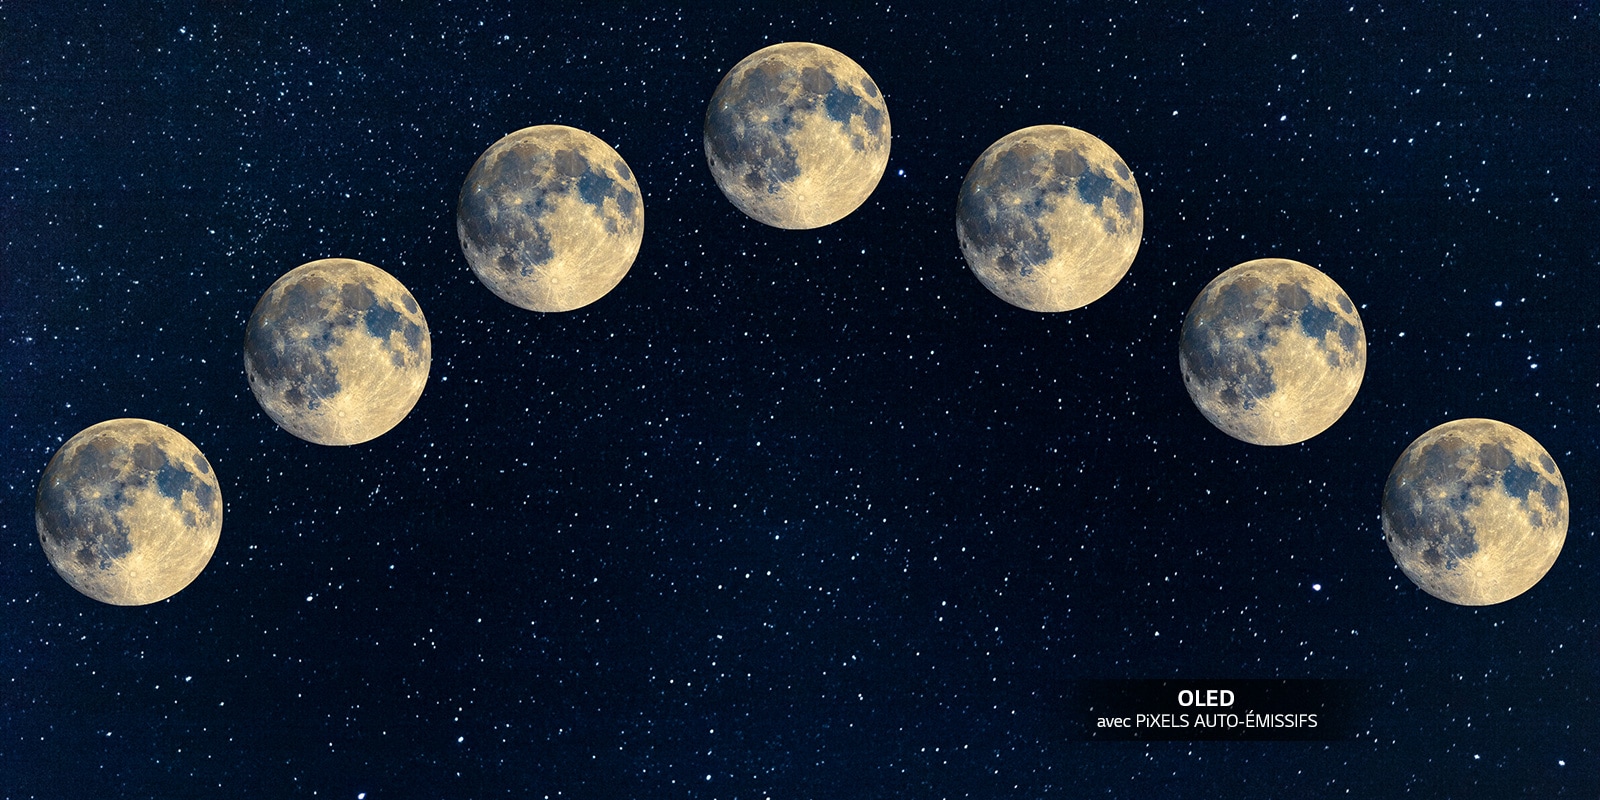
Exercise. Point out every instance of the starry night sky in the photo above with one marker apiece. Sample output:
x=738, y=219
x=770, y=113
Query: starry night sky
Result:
x=792, y=514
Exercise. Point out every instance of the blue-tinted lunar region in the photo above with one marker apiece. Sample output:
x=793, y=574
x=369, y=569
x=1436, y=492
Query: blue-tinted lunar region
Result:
x=128, y=512
x=1475, y=512
x=1049, y=218
x=550, y=218
x=797, y=135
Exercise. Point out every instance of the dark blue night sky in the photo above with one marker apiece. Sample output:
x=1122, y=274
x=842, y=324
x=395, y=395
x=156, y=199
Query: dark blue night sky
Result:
x=792, y=514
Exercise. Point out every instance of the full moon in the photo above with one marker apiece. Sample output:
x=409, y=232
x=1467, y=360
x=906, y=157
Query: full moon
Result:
x=797, y=135
x=550, y=218
x=337, y=352
x=1272, y=352
x=128, y=512
x=1475, y=512
x=1049, y=218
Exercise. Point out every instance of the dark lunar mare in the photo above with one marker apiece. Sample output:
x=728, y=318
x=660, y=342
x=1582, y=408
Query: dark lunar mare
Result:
x=486, y=224
x=383, y=319
x=991, y=224
x=844, y=105
x=173, y=479
x=594, y=187
x=1212, y=355
x=1522, y=482
x=94, y=532
x=1416, y=518
x=768, y=159
x=274, y=352
x=1093, y=186
x=1318, y=320
x=1074, y=174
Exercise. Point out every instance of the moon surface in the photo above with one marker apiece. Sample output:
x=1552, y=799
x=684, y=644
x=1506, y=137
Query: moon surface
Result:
x=1049, y=218
x=337, y=352
x=1475, y=512
x=1272, y=352
x=797, y=135
x=550, y=218
x=128, y=512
